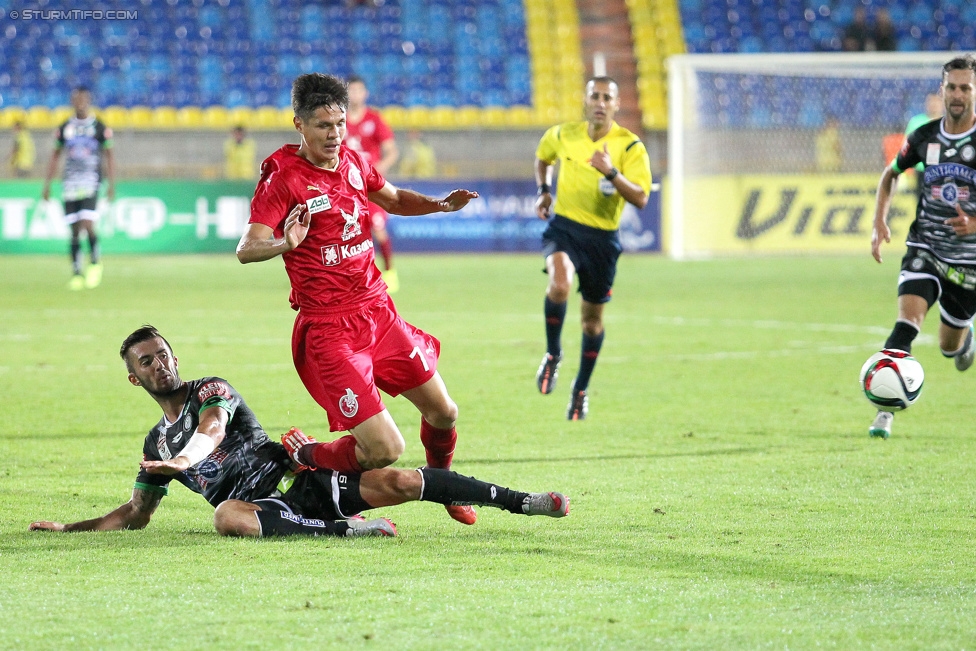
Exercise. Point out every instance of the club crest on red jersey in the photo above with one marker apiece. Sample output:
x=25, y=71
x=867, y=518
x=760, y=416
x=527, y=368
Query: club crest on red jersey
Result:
x=355, y=178
x=330, y=255
x=348, y=404
x=351, y=228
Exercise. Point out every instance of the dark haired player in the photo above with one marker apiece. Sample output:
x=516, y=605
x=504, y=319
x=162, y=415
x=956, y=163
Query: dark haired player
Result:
x=211, y=442
x=369, y=134
x=311, y=207
x=85, y=140
x=602, y=166
x=940, y=265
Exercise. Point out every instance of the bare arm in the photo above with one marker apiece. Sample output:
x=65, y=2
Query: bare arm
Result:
x=407, y=202
x=52, y=169
x=110, y=172
x=630, y=191
x=213, y=423
x=882, y=204
x=134, y=514
x=543, y=177
x=390, y=153
x=258, y=244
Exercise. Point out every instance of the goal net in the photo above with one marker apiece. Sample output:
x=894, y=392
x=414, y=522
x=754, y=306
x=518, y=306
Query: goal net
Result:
x=781, y=153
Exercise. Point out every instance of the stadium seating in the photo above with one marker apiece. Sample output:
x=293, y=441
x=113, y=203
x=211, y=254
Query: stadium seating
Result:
x=176, y=56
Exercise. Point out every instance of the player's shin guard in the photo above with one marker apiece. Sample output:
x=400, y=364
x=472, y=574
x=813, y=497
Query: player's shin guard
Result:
x=902, y=336
x=76, y=255
x=589, y=351
x=447, y=487
x=338, y=455
x=284, y=523
x=93, y=247
x=555, y=315
x=438, y=444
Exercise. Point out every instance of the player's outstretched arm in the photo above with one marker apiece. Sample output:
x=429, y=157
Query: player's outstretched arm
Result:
x=258, y=242
x=134, y=514
x=407, y=202
x=207, y=437
x=882, y=204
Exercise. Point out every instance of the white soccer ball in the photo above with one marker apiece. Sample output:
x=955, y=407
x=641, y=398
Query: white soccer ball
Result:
x=892, y=380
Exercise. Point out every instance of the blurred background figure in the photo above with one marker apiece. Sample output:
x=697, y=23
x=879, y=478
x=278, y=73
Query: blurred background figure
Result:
x=239, y=156
x=857, y=33
x=419, y=159
x=828, y=147
x=23, y=154
x=369, y=134
x=885, y=35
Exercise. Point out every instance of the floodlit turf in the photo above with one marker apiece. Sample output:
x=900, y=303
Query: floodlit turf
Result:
x=725, y=493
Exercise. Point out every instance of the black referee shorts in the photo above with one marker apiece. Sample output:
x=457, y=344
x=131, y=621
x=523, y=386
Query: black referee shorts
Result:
x=593, y=251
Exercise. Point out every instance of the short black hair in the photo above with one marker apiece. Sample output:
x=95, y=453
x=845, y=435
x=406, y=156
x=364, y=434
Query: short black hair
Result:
x=81, y=89
x=145, y=333
x=966, y=62
x=315, y=90
x=355, y=79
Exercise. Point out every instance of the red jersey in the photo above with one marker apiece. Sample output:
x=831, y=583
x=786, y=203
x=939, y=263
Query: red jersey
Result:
x=368, y=135
x=332, y=270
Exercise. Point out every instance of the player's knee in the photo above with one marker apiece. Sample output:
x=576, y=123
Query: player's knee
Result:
x=592, y=327
x=558, y=291
x=236, y=518
x=407, y=485
x=444, y=416
x=384, y=453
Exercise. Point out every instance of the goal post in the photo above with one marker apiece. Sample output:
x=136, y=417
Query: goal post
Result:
x=781, y=153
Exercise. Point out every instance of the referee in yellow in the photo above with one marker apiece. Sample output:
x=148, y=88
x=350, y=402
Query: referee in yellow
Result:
x=601, y=166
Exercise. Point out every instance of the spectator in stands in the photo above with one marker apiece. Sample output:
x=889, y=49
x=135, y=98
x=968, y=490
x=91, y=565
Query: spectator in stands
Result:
x=884, y=34
x=23, y=154
x=419, y=160
x=857, y=34
x=828, y=146
x=239, y=156
x=368, y=134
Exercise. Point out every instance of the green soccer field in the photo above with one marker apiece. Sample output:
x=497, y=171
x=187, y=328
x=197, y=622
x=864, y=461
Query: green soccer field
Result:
x=725, y=493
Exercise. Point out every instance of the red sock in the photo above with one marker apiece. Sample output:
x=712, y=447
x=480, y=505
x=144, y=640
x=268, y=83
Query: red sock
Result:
x=337, y=455
x=386, y=249
x=438, y=444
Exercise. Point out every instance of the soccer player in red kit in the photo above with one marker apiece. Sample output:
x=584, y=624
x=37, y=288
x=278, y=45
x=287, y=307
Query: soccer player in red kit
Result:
x=369, y=134
x=311, y=207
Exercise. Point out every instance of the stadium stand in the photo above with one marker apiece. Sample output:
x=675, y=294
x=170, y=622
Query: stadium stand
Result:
x=502, y=63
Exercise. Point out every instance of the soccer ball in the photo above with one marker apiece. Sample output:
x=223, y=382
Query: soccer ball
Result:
x=892, y=380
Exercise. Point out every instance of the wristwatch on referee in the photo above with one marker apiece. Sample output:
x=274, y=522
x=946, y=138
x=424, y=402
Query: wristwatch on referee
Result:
x=612, y=174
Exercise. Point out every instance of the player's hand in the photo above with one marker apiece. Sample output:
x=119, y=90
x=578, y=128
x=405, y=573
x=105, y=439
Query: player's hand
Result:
x=296, y=225
x=169, y=467
x=962, y=224
x=44, y=525
x=601, y=161
x=880, y=232
x=542, y=205
x=457, y=200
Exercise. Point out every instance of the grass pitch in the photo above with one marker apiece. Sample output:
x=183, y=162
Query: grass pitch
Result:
x=725, y=493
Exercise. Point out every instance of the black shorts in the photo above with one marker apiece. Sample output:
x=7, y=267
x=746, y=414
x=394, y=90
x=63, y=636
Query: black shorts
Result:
x=71, y=207
x=953, y=286
x=320, y=494
x=592, y=251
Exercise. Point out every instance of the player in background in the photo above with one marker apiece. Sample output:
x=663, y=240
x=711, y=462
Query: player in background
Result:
x=211, y=442
x=85, y=140
x=601, y=166
x=23, y=153
x=240, y=163
x=368, y=134
x=940, y=264
x=348, y=343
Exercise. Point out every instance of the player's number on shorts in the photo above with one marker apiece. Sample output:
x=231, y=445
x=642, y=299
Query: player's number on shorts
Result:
x=419, y=353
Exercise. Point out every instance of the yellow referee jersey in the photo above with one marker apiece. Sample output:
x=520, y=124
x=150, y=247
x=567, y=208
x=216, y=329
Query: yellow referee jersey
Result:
x=583, y=194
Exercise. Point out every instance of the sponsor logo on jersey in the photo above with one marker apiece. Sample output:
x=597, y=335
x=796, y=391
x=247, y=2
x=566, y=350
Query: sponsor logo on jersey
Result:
x=351, y=228
x=308, y=522
x=208, y=470
x=933, y=154
x=950, y=152
x=348, y=404
x=314, y=187
x=968, y=153
x=333, y=254
x=179, y=435
x=212, y=389
x=318, y=204
x=330, y=255
x=950, y=193
x=355, y=178
x=606, y=187
x=916, y=264
x=161, y=446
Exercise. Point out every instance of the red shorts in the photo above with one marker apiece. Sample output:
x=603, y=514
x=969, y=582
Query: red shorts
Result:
x=344, y=360
x=377, y=217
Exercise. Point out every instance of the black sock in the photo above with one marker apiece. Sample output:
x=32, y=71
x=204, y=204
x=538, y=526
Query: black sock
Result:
x=76, y=255
x=278, y=522
x=555, y=315
x=93, y=247
x=902, y=336
x=589, y=351
x=448, y=487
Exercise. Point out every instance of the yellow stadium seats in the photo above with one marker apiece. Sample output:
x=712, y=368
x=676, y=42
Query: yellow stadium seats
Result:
x=216, y=117
x=286, y=116
x=189, y=117
x=443, y=117
x=467, y=116
x=39, y=117
x=240, y=116
x=11, y=115
x=164, y=117
x=141, y=117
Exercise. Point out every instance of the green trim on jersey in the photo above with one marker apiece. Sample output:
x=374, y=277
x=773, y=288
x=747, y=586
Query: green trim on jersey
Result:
x=216, y=401
x=152, y=488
